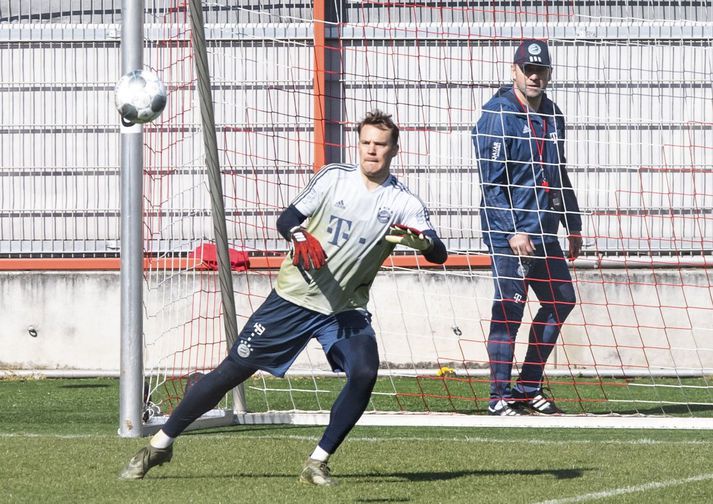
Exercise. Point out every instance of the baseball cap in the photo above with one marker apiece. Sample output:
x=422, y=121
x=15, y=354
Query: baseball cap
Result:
x=533, y=52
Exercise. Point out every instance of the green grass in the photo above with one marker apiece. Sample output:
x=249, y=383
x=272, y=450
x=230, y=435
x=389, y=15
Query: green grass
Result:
x=683, y=397
x=58, y=443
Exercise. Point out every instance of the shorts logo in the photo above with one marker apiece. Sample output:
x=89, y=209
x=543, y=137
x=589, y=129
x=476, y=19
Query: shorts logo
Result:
x=244, y=348
x=523, y=267
x=523, y=270
x=384, y=215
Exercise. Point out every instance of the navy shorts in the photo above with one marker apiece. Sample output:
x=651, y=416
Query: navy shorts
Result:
x=279, y=330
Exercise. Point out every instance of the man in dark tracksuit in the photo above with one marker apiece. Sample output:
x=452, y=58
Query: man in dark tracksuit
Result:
x=526, y=193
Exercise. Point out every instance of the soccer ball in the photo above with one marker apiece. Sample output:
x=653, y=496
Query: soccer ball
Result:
x=140, y=97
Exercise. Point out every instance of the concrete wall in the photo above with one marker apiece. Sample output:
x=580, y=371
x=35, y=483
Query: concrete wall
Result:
x=75, y=316
x=626, y=320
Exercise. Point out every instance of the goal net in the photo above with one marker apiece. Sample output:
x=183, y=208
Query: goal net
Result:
x=290, y=83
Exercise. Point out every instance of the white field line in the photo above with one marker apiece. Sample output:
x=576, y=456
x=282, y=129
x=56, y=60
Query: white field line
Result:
x=367, y=439
x=654, y=485
x=469, y=439
x=53, y=436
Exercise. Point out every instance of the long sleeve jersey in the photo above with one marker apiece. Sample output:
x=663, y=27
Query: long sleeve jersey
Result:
x=350, y=222
x=523, y=178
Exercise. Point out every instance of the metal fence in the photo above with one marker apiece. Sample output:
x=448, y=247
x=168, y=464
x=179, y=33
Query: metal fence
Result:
x=633, y=79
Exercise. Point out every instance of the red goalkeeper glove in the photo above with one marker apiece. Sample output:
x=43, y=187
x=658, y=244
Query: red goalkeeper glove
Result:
x=408, y=236
x=307, y=252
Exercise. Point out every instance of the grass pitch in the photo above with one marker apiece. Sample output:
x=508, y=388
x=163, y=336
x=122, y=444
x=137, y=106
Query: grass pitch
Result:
x=58, y=443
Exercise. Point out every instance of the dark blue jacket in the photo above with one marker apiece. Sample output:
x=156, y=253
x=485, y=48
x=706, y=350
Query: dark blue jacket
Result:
x=523, y=193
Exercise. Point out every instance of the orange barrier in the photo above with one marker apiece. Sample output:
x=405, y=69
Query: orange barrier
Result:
x=181, y=263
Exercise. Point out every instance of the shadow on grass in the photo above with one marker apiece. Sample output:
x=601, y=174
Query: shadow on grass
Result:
x=384, y=499
x=392, y=477
x=450, y=475
x=682, y=410
x=250, y=428
x=85, y=385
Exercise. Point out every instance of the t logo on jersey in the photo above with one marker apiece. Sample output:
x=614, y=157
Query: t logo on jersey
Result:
x=339, y=228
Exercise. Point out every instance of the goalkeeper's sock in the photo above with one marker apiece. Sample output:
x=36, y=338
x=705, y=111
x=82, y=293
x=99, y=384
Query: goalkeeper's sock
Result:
x=319, y=454
x=161, y=440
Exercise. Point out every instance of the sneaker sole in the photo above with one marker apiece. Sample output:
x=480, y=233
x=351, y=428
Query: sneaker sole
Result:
x=305, y=481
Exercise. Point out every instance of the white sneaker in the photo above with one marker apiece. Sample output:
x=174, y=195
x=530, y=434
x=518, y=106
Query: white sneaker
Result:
x=506, y=408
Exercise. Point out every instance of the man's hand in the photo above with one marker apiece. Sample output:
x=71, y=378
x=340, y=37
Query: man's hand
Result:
x=575, y=245
x=521, y=245
x=404, y=235
x=307, y=252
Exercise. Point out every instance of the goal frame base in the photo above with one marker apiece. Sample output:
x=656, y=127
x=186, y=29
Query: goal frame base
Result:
x=223, y=418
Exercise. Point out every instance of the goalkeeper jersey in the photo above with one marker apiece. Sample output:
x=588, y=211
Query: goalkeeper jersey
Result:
x=350, y=221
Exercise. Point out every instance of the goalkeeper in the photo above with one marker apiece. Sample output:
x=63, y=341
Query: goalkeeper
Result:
x=342, y=227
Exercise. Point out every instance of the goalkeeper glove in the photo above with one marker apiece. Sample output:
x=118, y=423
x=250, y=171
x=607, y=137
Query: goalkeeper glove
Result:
x=404, y=235
x=306, y=250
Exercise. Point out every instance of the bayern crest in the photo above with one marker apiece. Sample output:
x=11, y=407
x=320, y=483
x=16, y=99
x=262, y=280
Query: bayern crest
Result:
x=384, y=215
x=244, y=350
x=534, y=49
